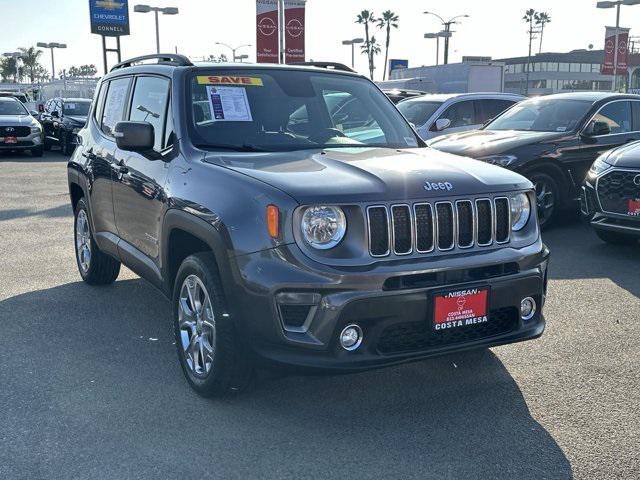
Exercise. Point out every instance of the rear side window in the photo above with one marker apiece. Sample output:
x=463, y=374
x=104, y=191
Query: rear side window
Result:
x=149, y=104
x=115, y=104
x=489, y=108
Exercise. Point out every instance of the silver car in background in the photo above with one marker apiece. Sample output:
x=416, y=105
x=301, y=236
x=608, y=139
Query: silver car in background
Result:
x=18, y=129
x=437, y=114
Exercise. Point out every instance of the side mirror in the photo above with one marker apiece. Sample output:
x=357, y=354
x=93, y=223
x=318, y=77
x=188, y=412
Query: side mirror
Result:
x=134, y=136
x=442, y=124
x=596, y=128
x=55, y=114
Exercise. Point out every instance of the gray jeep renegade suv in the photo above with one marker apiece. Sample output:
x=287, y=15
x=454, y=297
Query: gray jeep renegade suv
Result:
x=294, y=218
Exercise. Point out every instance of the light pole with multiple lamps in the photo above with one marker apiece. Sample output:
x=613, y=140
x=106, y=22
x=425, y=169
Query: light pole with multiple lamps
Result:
x=447, y=28
x=233, y=50
x=437, y=36
x=617, y=5
x=353, y=42
x=156, y=11
x=51, y=46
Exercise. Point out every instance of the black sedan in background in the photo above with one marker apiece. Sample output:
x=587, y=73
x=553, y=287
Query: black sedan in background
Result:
x=610, y=196
x=552, y=140
x=61, y=119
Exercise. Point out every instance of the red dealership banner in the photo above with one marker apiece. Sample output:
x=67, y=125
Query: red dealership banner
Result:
x=294, y=17
x=267, y=31
x=610, y=51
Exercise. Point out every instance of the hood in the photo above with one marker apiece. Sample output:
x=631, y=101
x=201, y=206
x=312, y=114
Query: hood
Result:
x=17, y=120
x=76, y=118
x=627, y=156
x=480, y=143
x=371, y=174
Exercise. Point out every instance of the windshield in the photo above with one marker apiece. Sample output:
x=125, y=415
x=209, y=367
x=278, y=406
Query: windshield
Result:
x=80, y=109
x=279, y=110
x=418, y=112
x=543, y=115
x=12, y=107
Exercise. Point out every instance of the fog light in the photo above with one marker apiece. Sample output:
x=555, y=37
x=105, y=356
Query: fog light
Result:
x=527, y=308
x=351, y=337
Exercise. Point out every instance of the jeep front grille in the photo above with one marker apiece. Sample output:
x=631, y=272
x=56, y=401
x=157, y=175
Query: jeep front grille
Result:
x=402, y=229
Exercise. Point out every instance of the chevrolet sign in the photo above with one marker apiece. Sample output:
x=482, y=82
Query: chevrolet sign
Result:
x=109, y=17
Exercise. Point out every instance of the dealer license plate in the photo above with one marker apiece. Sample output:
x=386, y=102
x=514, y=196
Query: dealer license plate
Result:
x=460, y=308
x=10, y=140
x=634, y=207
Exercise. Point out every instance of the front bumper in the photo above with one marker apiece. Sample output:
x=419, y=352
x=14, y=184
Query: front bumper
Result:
x=33, y=140
x=391, y=302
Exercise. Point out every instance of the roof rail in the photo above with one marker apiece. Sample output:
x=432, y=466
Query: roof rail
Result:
x=328, y=65
x=163, y=59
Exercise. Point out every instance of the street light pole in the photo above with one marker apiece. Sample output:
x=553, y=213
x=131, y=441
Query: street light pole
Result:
x=156, y=11
x=51, y=46
x=447, y=30
x=617, y=4
x=234, y=50
x=353, y=43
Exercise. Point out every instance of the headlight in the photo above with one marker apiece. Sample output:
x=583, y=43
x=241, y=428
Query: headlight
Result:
x=323, y=227
x=501, y=160
x=520, y=211
x=599, y=165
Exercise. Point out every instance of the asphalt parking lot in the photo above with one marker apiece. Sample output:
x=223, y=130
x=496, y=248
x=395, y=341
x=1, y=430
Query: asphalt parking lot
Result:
x=90, y=386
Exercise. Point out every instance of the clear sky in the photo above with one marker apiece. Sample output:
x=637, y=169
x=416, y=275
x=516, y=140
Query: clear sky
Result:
x=494, y=28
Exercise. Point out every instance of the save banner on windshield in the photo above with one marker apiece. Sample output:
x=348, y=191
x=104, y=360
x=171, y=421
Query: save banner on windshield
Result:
x=610, y=51
x=268, y=26
x=109, y=17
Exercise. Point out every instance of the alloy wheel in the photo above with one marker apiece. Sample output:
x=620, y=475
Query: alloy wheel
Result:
x=197, y=326
x=83, y=241
x=545, y=200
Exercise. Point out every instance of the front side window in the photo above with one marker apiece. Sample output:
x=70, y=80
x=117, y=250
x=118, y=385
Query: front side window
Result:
x=281, y=110
x=543, y=115
x=617, y=115
x=115, y=104
x=461, y=114
x=418, y=112
x=149, y=104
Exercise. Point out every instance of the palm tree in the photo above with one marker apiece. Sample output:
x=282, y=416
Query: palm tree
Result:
x=372, y=48
x=9, y=68
x=365, y=18
x=542, y=18
x=389, y=20
x=31, y=60
x=529, y=17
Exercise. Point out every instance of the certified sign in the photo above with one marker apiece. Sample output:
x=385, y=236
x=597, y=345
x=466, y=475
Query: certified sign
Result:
x=109, y=17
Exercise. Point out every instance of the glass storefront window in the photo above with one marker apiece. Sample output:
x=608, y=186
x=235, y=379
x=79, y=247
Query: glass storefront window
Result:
x=563, y=67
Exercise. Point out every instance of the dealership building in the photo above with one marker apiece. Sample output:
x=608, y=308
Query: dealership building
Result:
x=577, y=70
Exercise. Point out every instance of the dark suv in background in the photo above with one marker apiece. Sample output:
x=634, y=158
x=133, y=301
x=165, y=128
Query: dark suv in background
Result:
x=62, y=119
x=286, y=233
x=553, y=141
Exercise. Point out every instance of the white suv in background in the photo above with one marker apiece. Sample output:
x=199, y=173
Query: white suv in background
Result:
x=437, y=114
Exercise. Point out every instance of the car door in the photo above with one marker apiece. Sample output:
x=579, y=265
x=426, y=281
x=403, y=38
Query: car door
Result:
x=139, y=187
x=619, y=116
x=462, y=116
x=99, y=153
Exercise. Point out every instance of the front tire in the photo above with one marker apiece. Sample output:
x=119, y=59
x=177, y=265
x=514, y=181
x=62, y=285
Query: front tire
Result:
x=616, y=238
x=210, y=354
x=95, y=267
x=548, y=197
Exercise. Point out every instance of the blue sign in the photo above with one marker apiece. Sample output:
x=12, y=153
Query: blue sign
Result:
x=109, y=17
x=395, y=64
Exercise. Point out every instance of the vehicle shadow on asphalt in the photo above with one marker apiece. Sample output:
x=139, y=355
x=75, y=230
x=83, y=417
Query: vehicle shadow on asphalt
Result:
x=591, y=258
x=97, y=370
x=54, y=212
x=24, y=157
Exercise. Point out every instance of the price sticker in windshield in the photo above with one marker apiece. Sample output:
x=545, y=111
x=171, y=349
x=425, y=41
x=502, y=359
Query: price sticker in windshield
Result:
x=229, y=80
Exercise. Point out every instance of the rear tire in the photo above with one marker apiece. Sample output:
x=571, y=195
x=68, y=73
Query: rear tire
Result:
x=213, y=360
x=616, y=238
x=95, y=267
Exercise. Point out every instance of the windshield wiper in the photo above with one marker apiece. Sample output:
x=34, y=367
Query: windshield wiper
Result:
x=247, y=147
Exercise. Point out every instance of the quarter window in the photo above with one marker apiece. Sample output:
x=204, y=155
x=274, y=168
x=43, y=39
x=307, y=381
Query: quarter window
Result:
x=115, y=104
x=617, y=115
x=149, y=104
